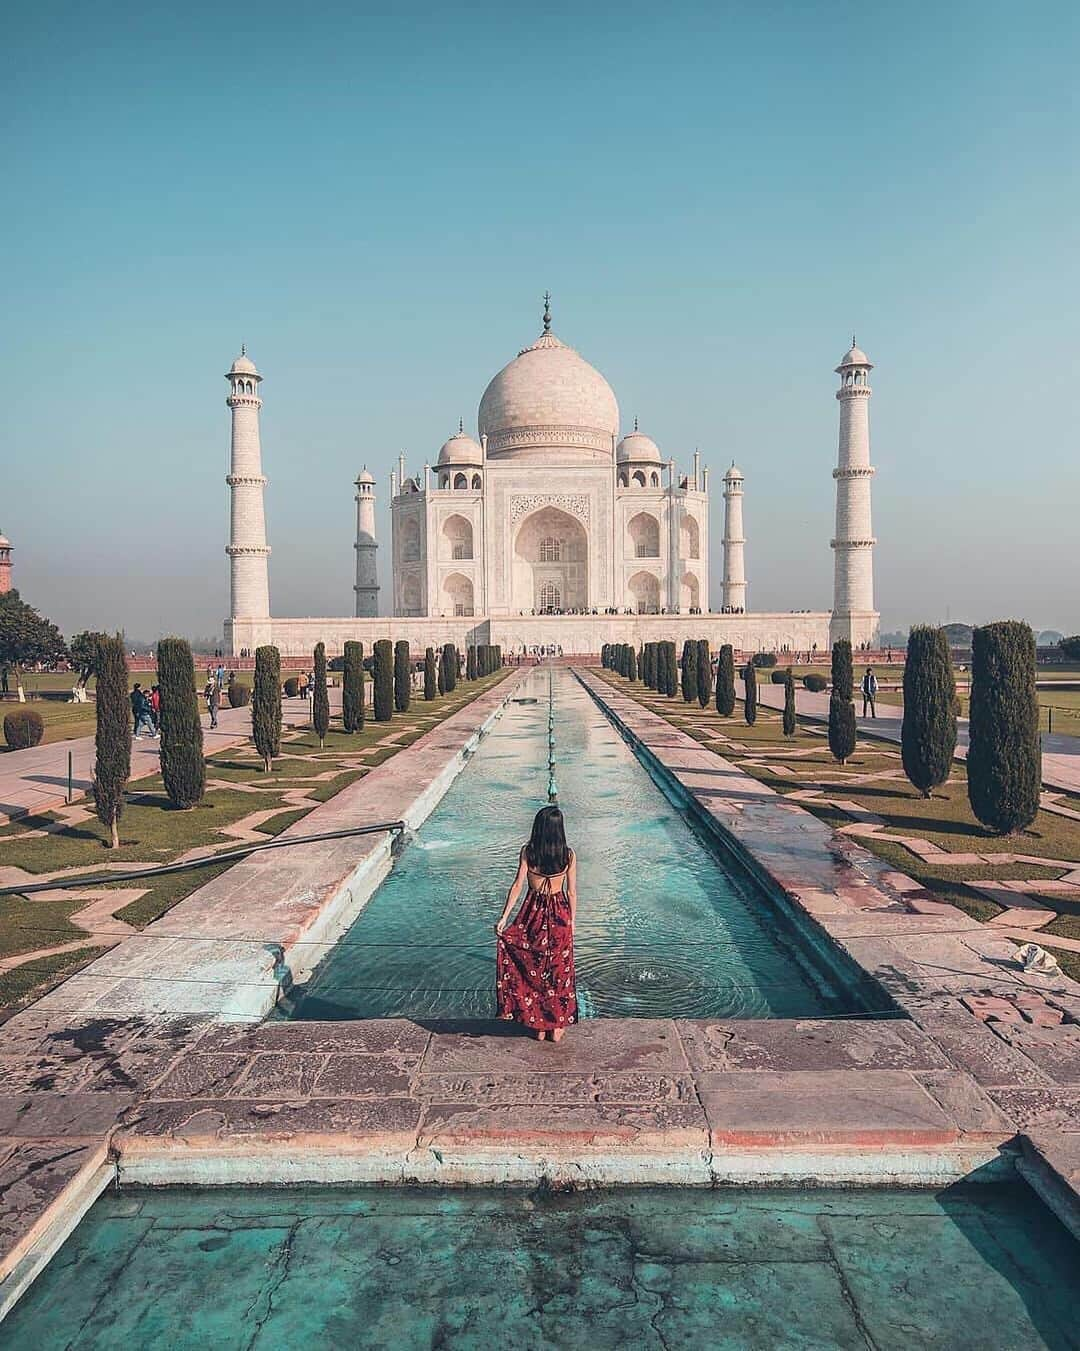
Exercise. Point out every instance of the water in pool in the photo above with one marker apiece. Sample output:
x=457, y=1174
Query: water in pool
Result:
x=664, y=928
x=975, y=1267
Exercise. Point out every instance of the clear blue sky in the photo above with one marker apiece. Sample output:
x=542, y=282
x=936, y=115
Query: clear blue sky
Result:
x=716, y=195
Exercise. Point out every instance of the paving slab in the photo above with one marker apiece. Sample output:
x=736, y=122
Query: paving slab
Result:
x=809, y=1045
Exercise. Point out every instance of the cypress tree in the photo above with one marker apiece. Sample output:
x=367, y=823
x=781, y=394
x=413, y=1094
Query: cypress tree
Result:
x=604, y=656
x=725, y=682
x=928, y=732
x=789, y=703
x=383, y=674
x=352, y=688
x=841, y=704
x=689, y=671
x=320, y=699
x=402, y=675
x=182, y=765
x=266, y=705
x=647, y=667
x=672, y=663
x=750, y=693
x=430, y=678
x=631, y=663
x=112, y=740
x=452, y=668
x=440, y=673
x=1004, y=762
x=704, y=673
x=661, y=667
x=498, y=657
x=470, y=662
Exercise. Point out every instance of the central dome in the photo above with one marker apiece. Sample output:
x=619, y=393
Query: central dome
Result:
x=549, y=398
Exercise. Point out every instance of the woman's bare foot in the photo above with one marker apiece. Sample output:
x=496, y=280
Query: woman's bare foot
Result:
x=541, y=1036
x=557, y=1033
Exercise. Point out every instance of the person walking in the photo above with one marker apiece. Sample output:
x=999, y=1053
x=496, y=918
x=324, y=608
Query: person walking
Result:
x=213, y=700
x=534, y=969
x=142, y=713
x=869, y=692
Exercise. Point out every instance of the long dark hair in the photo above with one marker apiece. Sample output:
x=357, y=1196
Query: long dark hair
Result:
x=546, y=853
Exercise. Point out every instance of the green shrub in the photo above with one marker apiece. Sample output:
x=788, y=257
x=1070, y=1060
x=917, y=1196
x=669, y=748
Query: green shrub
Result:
x=1004, y=761
x=631, y=664
x=725, y=681
x=789, y=703
x=320, y=699
x=239, y=694
x=266, y=708
x=763, y=660
x=750, y=693
x=815, y=683
x=779, y=677
x=689, y=671
x=384, y=680
x=704, y=673
x=402, y=675
x=183, y=768
x=928, y=732
x=430, y=678
x=23, y=729
x=292, y=687
x=112, y=737
x=841, y=704
x=352, y=688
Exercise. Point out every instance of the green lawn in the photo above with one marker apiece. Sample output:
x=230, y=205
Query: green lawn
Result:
x=945, y=819
x=1065, y=705
x=153, y=831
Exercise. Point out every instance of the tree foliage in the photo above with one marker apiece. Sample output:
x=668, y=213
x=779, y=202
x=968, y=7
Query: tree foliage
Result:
x=689, y=671
x=1004, y=761
x=789, y=703
x=704, y=673
x=725, y=681
x=841, y=703
x=84, y=650
x=383, y=675
x=631, y=663
x=266, y=705
x=352, y=688
x=26, y=637
x=320, y=698
x=1070, y=648
x=183, y=768
x=750, y=693
x=402, y=675
x=430, y=678
x=928, y=732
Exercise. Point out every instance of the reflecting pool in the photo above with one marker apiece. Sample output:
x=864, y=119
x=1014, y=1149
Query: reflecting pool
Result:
x=967, y=1267
x=665, y=927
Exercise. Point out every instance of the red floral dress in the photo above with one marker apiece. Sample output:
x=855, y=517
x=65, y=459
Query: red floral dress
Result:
x=534, y=968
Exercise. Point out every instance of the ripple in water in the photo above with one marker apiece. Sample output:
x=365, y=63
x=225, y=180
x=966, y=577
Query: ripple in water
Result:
x=663, y=929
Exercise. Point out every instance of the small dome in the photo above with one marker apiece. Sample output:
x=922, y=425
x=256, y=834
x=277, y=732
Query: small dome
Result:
x=461, y=449
x=243, y=365
x=5, y=543
x=365, y=476
x=638, y=446
x=855, y=356
x=734, y=473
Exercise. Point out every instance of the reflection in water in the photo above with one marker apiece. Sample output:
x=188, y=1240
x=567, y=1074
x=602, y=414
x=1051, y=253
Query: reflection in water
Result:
x=663, y=928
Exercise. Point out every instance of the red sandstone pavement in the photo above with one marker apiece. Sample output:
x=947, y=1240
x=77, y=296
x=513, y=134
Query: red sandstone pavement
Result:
x=36, y=780
x=1060, y=754
x=968, y=1077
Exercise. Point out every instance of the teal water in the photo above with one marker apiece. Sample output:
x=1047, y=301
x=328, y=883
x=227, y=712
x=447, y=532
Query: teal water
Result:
x=974, y=1267
x=664, y=928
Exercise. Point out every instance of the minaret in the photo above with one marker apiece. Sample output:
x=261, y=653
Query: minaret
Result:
x=854, y=617
x=367, y=580
x=247, y=547
x=5, y=563
x=734, y=591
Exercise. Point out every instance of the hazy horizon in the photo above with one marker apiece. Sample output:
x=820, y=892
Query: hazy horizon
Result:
x=375, y=203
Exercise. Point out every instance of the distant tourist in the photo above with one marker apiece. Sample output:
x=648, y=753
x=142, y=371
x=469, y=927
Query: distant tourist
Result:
x=534, y=972
x=142, y=713
x=4, y=679
x=869, y=692
x=212, y=695
x=155, y=705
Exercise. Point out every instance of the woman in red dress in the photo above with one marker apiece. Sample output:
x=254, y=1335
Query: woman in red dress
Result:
x=534, y=970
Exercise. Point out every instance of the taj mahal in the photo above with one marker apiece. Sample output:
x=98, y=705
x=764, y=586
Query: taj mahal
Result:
x=551, y=527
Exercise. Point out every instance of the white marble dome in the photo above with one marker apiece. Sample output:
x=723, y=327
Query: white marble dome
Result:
x=549, y=399
x=461, y=449
x=637, y=446
x=243, y=365
x=855, y=356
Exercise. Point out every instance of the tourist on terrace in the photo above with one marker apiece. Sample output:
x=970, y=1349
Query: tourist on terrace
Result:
x=869, y=692
x=534, y=970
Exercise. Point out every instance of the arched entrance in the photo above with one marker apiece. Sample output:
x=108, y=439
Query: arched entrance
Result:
x=645, y=593
x=457, y=595
x=550, y=562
